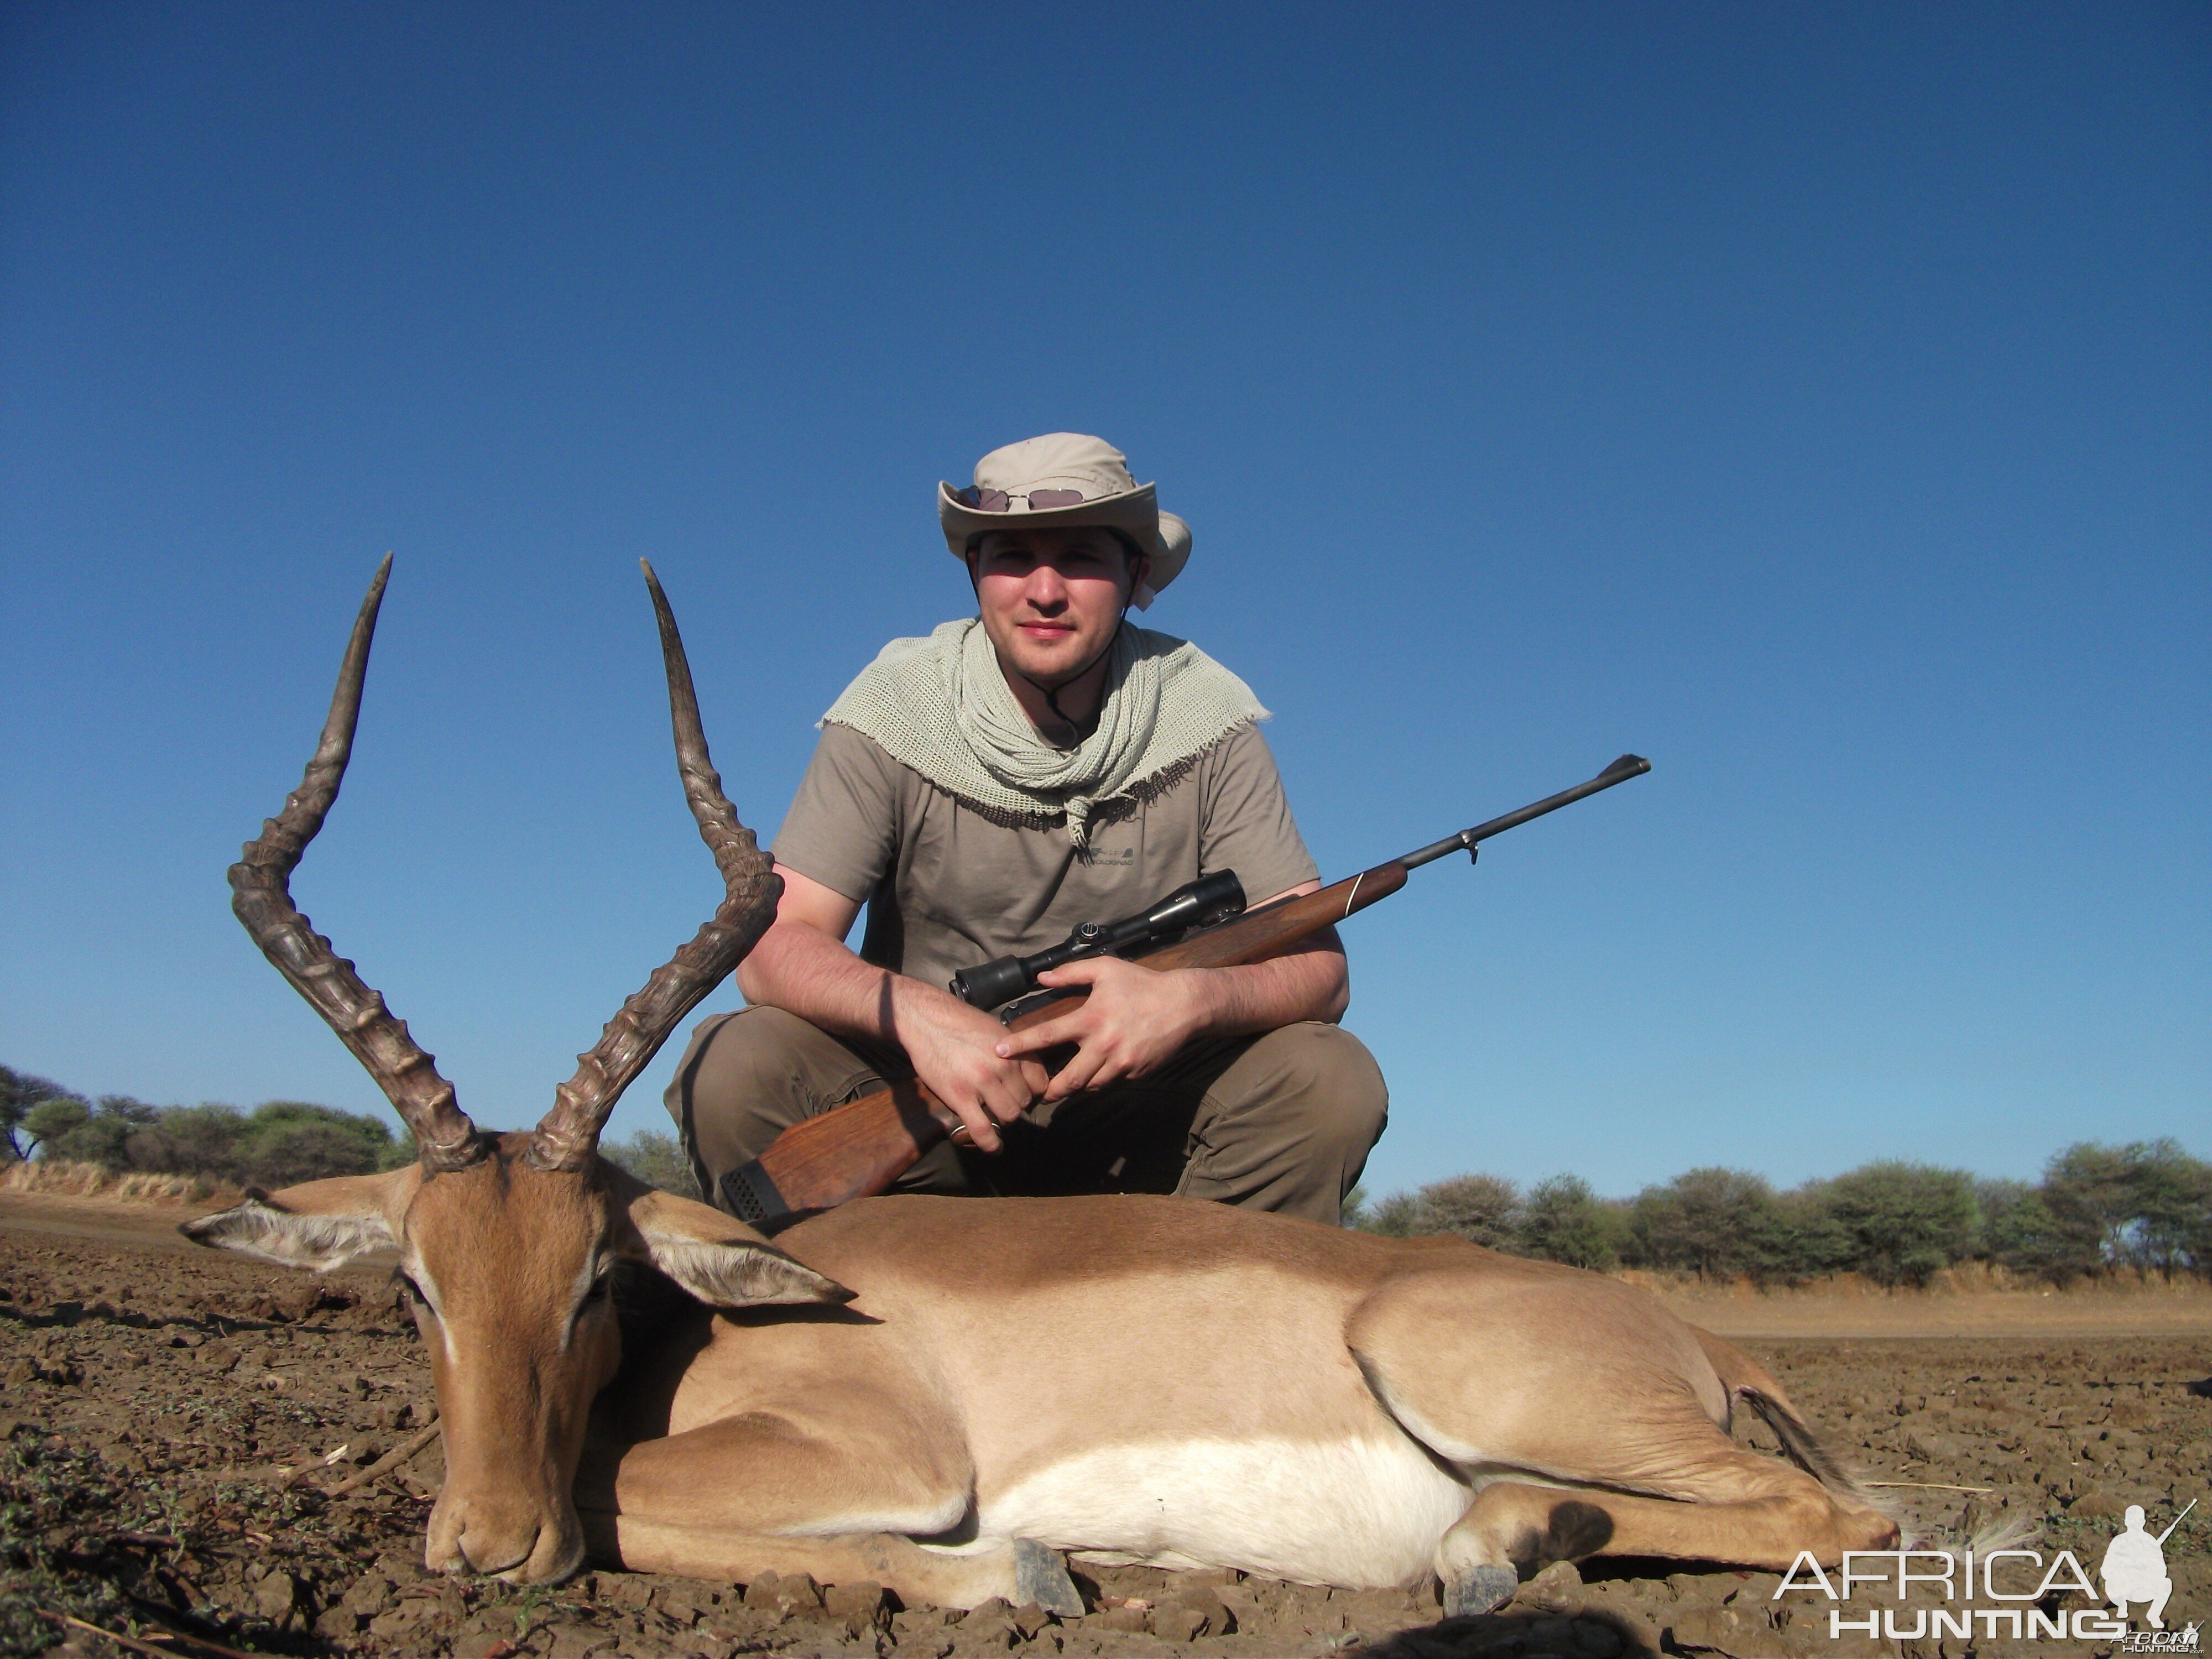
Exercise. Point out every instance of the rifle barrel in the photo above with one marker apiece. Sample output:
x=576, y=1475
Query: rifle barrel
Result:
x=1627, y=767
x=2176, y=1522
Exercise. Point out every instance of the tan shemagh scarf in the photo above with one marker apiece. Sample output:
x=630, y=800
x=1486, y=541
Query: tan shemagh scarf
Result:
x=942, y=706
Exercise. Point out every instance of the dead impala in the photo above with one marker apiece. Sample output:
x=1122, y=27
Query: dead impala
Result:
x=895, y=1390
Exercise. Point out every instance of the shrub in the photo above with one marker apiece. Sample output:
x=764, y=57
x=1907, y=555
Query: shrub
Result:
x=2148, y=1203
x=1395, y=1216
x=653, y=1159
x=283, y=1136
x=20, y=1094
x=1564, y=1221
x=401, y=1152
x=2018, y=1231
x=1905, y=1222
x=1806, y=1240
x=54, y=1118
x=195, y=1140
x=1713, y=1222
x=1484, y=1208
x=279, y=1144
x=306, y=1151
x=68, y=1128
x=1353, y=1211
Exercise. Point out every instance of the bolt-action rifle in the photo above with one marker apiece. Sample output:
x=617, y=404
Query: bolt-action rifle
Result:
x=857, y=1150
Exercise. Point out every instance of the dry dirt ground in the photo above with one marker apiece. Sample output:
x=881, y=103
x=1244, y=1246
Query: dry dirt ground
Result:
x=170, y=1419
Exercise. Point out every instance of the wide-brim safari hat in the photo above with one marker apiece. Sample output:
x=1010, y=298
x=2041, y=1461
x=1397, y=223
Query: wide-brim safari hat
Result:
x=1062, y=480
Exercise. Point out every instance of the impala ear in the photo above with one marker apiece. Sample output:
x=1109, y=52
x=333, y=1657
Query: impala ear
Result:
x=723, y=1262
x=321, y=1224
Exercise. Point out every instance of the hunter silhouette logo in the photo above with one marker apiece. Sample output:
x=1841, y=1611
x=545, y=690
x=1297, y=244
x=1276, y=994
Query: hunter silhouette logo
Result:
x=2134, y=1566
x=2134, y=1570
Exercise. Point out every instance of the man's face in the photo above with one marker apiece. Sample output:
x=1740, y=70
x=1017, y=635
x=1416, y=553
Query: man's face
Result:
x=1052, y=599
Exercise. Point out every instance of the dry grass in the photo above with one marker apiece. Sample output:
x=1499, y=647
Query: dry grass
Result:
x=59, y=1179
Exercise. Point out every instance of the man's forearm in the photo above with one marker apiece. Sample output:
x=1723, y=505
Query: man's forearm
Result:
x=802, y=970
x=1310, y=983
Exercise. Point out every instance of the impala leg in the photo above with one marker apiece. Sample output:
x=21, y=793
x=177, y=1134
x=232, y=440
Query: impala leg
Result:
x=844, y=1460
x=1018, y=1571
x=826, y=1487
x=1513, y=1529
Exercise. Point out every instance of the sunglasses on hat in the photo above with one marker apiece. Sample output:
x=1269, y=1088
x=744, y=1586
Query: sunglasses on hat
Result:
x=1000, y=501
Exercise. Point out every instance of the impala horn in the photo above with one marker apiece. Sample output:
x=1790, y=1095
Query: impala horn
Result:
x=261, y=895
x=568, y=1137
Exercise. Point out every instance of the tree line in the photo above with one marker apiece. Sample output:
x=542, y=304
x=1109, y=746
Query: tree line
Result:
x=279, y=1143
x=2147, y=1204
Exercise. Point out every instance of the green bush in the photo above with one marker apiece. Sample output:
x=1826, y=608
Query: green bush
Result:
x=1905, y=1222
x=1396, y=1217
x=1480, y=1207
x=2147, y=1204
x=2144, y=1204
x=53, y=1119
x=71, y=1130
x=19, y=1095
x=653, y=1159
x=289, y=1141
x=1713, y=1222
x=1564, y=1221
x=1483, y=1208
x=195, y=1140
x=279, y=1144
x=1806, y=1240
x=2019, y=1232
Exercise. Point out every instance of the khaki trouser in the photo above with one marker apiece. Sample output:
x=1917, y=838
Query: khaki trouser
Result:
x=1281, y=1121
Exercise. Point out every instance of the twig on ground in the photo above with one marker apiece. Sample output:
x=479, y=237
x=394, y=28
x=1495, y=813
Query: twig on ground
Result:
x=134, y=1644
x=391, y=1460
x=1928, y=1486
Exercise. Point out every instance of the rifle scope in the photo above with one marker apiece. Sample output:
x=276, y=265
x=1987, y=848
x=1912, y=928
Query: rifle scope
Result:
x=1201, y=903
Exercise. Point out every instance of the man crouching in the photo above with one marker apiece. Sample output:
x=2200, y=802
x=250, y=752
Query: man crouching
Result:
x=983, y=790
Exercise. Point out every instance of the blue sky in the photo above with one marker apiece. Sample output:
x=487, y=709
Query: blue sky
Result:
x=1813, y=399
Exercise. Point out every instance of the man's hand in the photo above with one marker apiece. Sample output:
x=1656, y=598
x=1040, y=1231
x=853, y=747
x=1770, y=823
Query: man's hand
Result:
x=801, y=964
x=1136, y=1018
x=958, y=1054
x=1134, y=1023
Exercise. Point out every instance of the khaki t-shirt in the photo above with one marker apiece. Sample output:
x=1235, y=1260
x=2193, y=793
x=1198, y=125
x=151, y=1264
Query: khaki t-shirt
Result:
x=948, y=887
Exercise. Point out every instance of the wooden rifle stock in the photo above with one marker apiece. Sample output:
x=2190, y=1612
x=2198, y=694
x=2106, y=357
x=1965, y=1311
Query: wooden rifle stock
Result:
x=857, y=1150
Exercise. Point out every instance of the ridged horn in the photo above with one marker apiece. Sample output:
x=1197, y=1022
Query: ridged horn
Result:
x=261, y=894
x=568, y=1136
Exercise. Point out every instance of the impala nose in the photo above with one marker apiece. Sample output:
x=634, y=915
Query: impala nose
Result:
x=474, y=1537
x=542, y=1551
x=480, y=1552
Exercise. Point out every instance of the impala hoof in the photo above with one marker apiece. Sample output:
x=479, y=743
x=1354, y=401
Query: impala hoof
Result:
x=1478, y=1590
x=1041, y=1575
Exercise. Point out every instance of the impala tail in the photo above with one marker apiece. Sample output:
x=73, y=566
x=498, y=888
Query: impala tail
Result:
x=1750, y=1382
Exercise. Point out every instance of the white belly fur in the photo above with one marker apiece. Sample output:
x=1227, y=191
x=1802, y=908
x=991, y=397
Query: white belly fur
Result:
x=1359, y=1512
